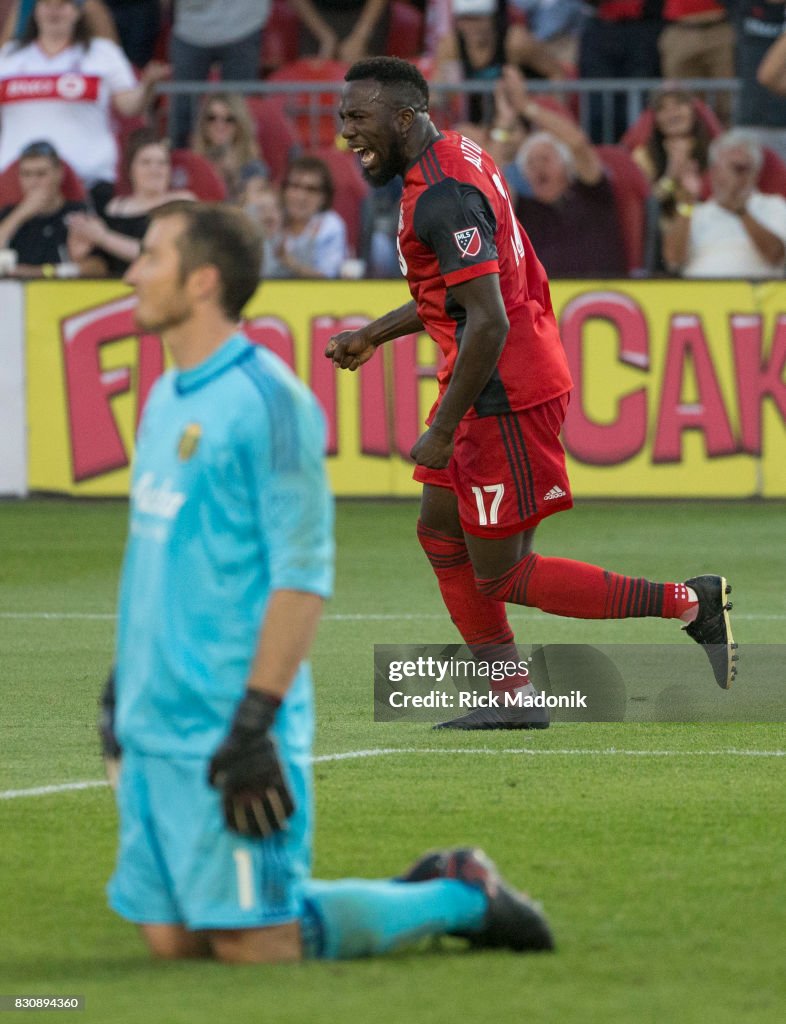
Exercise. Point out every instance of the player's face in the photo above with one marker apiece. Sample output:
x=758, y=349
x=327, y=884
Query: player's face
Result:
x=162, y=299
x=370, y=127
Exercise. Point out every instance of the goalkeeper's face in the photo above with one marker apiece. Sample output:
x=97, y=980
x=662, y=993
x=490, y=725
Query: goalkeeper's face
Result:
x=164, y=299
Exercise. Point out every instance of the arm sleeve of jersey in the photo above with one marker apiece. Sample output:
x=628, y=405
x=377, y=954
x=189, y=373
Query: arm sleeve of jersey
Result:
x=456, y=221
x=294, y=503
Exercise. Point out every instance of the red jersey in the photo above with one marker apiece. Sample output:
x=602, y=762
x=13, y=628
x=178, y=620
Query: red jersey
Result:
x=456, y=223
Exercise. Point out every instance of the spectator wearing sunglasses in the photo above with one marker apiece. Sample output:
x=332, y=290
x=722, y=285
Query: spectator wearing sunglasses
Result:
x=313, y=243
x=206, y=33
x=225, y=136
x=738, y=231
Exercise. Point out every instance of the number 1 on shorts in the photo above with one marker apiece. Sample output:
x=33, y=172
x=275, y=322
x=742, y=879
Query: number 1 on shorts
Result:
x=245, y=879
x=497, y=490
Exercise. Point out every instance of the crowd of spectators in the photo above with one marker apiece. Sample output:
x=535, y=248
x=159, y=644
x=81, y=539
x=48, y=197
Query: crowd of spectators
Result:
x=89, y=146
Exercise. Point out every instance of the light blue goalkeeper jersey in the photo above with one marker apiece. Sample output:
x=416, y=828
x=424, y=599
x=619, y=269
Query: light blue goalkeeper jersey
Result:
x=229, y=503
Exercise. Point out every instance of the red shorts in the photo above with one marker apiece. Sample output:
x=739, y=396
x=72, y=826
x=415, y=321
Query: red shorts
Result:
x=508, y=472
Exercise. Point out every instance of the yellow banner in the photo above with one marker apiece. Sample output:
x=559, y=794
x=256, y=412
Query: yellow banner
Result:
x=680, y=387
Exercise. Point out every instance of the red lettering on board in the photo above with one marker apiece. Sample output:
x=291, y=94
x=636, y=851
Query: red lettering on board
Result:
x=686, y=345
x=606, y=444
x=96, y=444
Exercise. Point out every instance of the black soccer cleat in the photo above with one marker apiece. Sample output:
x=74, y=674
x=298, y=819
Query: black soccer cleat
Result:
x=500, y=718
x=513, y=920
x=712, y=627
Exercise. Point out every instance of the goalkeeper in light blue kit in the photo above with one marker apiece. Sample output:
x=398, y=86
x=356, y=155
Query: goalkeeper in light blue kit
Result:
x=209, y=710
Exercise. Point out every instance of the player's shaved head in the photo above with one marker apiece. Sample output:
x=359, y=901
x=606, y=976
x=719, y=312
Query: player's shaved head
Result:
x=403, y=84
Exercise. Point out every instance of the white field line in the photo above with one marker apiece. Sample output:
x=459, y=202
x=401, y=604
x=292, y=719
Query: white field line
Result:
x=351, y=755
x=349, y=617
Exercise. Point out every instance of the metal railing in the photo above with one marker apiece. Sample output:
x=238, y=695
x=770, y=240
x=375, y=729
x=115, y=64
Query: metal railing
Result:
x=601, y=103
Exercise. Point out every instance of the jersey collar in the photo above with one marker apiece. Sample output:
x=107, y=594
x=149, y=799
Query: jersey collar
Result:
x=421, y=154
x=226, y=355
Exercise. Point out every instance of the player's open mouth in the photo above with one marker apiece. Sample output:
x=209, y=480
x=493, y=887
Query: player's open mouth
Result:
x=367, y=156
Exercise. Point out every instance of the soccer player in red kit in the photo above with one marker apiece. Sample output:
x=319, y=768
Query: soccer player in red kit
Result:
x=491, y=462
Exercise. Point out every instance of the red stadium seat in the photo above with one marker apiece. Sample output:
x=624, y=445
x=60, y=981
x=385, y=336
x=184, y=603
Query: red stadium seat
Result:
x=280, y=38
x=405, y=34
x=161, y=51
x=276, y=134
x=11, y=190
x=123, y=128
x=314, y=114
x=351, y=189
x=772, y=176
x=194, y=172
x=631, y=192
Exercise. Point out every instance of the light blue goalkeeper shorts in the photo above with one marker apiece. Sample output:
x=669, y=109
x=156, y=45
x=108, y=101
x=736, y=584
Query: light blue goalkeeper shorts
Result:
x=178, y=863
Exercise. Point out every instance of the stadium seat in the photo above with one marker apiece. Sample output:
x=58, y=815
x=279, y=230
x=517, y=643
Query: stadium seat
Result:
x=280, y=38
x=194, y=172
x=276, y=134
x=351, y=189
x=641, y=129
x=11, y=191
x=772, y=176
x=161, y=52
x=123, y=128
x=405, y=34
x=631, y=197
x=314, y=114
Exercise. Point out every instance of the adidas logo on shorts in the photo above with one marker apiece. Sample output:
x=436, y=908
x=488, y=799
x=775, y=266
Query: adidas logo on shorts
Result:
x=555, y=492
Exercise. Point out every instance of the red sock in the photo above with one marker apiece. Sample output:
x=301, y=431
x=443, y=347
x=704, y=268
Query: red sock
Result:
x=565, y=587
x=481, y=620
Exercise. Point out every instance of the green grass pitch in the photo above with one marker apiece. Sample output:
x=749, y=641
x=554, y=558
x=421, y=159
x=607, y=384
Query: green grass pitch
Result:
x=656, y=849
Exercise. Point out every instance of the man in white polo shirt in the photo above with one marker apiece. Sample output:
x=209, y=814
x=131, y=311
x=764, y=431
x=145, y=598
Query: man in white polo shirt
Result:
x=739, y=231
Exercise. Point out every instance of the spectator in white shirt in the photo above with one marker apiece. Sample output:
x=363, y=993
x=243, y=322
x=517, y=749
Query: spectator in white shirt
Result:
x=738, y=231
x=313, y=242
x=59, y=83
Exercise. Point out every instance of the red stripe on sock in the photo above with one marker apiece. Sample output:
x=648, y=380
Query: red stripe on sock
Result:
x=563, y=586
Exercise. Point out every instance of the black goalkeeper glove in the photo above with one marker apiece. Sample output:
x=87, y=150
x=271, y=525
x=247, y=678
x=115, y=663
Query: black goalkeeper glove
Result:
x=247, y=771
x=110, y=748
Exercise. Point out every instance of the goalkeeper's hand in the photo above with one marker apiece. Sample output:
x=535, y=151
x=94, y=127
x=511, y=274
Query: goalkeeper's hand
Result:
x=110, y=748
x=247, y=771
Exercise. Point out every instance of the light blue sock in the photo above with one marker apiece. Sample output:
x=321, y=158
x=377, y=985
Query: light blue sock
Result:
x=354, y=917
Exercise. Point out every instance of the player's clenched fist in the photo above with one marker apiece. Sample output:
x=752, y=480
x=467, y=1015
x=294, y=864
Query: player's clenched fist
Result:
x=247, y=771
x=433, y=449
x=350, y=349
